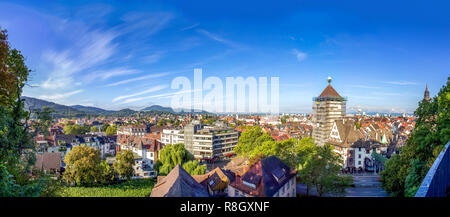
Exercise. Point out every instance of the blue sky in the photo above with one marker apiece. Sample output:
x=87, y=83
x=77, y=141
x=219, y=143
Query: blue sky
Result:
x=100, y=53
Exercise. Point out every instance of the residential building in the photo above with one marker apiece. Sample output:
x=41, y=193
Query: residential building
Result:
x=132, y=130
x=204, y=142
x=178, y=183
x=269, y=177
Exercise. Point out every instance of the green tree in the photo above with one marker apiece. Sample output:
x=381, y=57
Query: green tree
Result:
x=104, y=127
x=94, y=129
x=111, y=130
x=250, y=139
x=17, y=151
x=170, y=156
x=45, y=120
x=404, y=173
x=124, y=164
x=75, y=129
x=193, y=167
x=83, y=166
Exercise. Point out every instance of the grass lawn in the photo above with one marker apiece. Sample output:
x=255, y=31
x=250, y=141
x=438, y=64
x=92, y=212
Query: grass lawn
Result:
x=133, y=188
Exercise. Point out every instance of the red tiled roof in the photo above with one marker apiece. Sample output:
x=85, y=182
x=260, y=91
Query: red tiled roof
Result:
x=329, y=92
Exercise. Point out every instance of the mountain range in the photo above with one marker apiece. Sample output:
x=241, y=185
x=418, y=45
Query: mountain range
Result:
x=32, y=104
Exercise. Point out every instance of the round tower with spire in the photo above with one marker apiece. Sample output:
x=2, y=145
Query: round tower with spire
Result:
x=328, y=107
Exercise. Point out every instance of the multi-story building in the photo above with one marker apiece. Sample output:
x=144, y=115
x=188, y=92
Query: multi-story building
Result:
x=328, y=107
x=203, y=142
x=132, y=130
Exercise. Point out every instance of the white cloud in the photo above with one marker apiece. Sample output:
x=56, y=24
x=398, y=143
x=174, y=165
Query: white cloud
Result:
x=92, y=49
x=153, y=89
x=299, y=54
x=219, y=39
x=59, y=96
x=110, y=73
x=402, y=83
x=138, y=79
x=190, y=27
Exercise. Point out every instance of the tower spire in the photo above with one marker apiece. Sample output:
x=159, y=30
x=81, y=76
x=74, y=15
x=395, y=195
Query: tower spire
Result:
x=426, y=95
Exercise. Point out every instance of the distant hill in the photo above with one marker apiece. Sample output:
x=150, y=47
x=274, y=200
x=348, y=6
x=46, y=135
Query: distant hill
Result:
x=158, y=108
x=90, y=109
x=32, y=104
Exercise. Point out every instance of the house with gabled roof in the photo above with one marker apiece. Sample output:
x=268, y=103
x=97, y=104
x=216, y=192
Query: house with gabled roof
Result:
x=178, y=183
x=269, y=177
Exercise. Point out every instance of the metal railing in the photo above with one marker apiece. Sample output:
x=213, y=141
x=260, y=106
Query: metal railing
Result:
x=437, y=181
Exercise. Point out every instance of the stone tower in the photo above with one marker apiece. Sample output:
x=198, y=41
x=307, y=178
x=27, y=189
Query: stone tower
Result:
x=328, y=107
x=426, y=96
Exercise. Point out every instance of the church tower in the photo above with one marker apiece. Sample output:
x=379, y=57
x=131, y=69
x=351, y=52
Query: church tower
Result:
x=426, y=96
x=328, y=107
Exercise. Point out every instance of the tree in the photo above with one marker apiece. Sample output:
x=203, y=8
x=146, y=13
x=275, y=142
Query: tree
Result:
x=17, y=152
x=111, y=130
x=107, y=172
x=161, y=122
x=94, y=129
x=104, y=127
x=250, y=139
x=170, y=156
x=83, y=166
x=45, y=120
x=193, y=167
x=75, y=129
x=124, y=164
x=404, y=173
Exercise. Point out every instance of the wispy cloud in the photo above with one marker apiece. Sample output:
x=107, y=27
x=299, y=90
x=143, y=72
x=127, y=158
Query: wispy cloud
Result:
x=60, y=96
x=103, y=75
x=153, y=58
x=402, y=83
x=364, y=86
x=156, y=75
x=190, y=27
x=220, y=39
x=150, y=90
x=299, y=54
x=92, y=49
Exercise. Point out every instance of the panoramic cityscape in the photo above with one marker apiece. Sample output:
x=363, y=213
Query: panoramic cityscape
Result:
x=171, y=99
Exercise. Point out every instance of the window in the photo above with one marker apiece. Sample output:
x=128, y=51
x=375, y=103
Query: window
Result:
x=359, y=162
x=359, y=149
x=359, y=156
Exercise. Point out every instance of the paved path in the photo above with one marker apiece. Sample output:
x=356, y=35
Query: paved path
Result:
x=365, y=186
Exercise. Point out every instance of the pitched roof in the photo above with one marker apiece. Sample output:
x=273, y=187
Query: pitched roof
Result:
x=267, y=175
x=329, y=92
x=48, y=160
x=178, y=183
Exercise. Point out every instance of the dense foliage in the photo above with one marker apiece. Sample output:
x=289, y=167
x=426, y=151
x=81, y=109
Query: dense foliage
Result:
x=133, y=188
x=111, y=130
x=193, y=167
x=404, y=172
x=124, y=164
x=17, y=151
x=75, y=129
x=317, y=166
x=171, y=155
x=84, y=166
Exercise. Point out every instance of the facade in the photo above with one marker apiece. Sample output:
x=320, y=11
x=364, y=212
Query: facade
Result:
x=204, y=142
x=328, y=107
x=357, y=146
x=269, y=177
x=132, y=130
